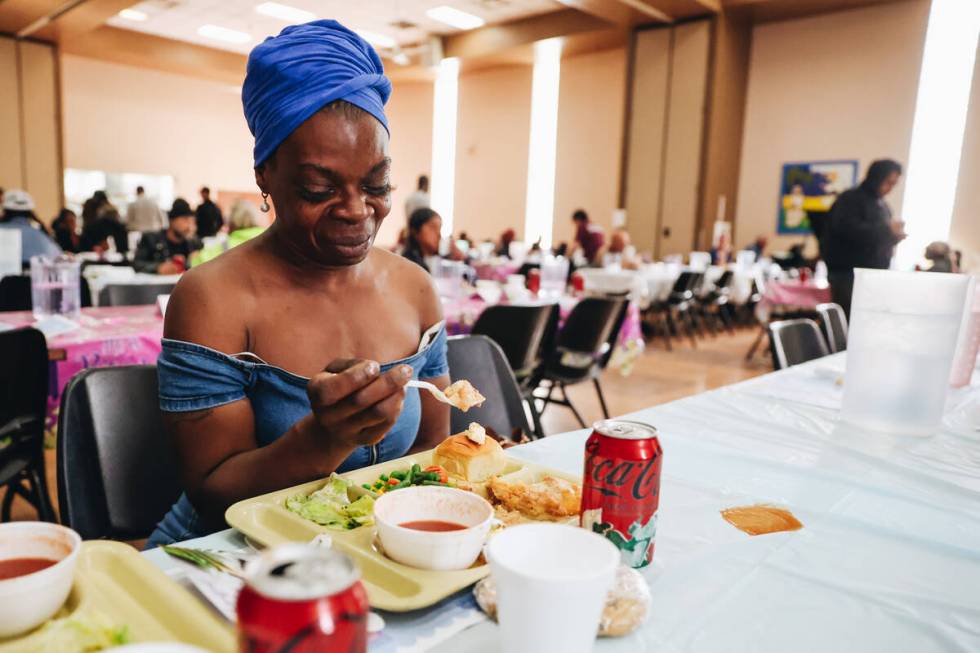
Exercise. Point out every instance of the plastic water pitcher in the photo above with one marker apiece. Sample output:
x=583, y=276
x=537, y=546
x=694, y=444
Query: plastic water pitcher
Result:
x=448, y=276
x=902, y=336
x=965, y=360
x=55, y=286
x=554, y=276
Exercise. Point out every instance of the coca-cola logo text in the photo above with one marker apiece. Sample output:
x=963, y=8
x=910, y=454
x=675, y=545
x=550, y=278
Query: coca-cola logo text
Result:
x=613, y=477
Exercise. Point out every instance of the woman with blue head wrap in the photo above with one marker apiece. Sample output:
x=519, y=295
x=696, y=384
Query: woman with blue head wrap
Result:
x=286, y=358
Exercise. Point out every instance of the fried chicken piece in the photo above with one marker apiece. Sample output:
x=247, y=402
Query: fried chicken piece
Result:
x=547, y=500
x=463, y=395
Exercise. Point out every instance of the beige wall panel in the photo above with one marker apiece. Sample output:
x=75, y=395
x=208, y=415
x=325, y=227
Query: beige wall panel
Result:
x=493, y=128
x=965, y=232
x=590, y=133
x=646, y=136
x=685, y=125
x=409, y=114
x=10, y=163
x=43, y=169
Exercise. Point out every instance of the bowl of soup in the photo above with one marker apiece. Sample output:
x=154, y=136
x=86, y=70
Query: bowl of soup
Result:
x=37, y=567
x=433, y=527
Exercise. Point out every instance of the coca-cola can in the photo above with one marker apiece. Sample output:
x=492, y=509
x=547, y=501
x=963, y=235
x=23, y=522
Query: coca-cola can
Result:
x=621, y=488
x=302, y=598
x=578, y=282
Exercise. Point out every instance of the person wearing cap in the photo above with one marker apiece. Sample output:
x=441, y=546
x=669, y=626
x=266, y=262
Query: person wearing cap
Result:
x=18, y=215
x=286, y=358
x=167, y=251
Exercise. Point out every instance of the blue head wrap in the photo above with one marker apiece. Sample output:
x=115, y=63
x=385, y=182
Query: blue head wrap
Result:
x=306, y=67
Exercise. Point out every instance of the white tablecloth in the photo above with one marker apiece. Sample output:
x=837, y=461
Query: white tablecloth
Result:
x=889, y=556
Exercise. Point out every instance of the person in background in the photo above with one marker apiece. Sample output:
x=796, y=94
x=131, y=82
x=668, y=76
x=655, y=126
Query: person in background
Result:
x=589, y=237
x=243, y=225
x=957, y=260
x=424, y=233
x=463, y=238
x=108, y=224
x=167, y=251
x=860, y=231
x=65, y=228
x=562, y=249
x=621, y=251
x=503, y=245
x=95, y=207
x=419, y=198
x=940, y=255
x=143, y=214
x=18, y=214
x=209, y=220
x=758, y=246
x=721, y=254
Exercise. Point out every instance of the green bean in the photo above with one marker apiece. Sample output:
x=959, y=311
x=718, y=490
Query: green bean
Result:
x=438, y=483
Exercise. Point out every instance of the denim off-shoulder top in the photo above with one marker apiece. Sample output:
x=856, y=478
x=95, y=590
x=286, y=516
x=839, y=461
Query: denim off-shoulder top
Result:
x=194, y=377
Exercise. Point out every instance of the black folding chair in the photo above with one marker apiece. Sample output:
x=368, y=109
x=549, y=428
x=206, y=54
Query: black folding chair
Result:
x=123, y=294
x=675, y=312
x=23, y=404
x=520, y=331
x=715, y=306
x=15, y=293
x=581, y=350
x=834, y=325
x=117, y=467
x=481, y=361
x=792, y=342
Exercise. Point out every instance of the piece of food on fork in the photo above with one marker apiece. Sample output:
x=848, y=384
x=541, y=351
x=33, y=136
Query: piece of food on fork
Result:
x=463, y=395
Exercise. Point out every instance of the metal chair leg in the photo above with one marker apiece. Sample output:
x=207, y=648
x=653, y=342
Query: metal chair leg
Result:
x=602, y=399
x=39, y=487
x=571, y=406
x=8, y=500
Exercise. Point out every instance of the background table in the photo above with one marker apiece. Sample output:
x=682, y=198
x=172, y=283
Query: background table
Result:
x=888, y=557
x=109, y=336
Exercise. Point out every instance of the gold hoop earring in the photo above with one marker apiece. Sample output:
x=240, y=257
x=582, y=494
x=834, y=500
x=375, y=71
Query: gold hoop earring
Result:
x=265, y=203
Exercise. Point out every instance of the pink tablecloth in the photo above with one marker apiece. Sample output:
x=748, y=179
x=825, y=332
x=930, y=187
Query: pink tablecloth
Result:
x=792, y=293
x=109, y=336
x=795, y=293
x=461, y=315
x=495, y=272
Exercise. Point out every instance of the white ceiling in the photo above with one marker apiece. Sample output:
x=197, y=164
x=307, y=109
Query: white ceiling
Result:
x=180, y=19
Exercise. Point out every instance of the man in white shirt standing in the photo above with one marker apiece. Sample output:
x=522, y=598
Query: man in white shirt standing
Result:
x=144, y=214
x=418, y=199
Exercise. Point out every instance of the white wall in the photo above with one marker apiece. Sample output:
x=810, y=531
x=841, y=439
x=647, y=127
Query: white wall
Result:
x=836, y=86
x=965, y=230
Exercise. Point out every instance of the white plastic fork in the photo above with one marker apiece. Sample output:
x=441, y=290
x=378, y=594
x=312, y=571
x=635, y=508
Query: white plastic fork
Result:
x=436, y=392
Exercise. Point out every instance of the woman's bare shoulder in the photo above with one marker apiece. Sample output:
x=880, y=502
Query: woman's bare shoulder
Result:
x=210, y=303
x=412, y=282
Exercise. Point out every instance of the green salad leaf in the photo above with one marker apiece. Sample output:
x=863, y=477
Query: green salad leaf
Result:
x=330, y=506
x=77, y=635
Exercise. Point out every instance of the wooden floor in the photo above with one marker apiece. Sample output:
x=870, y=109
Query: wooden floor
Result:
x=660, y=376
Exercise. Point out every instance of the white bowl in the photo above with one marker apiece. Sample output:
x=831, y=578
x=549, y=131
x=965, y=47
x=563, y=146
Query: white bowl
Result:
x=30, y=600
x=443, y=550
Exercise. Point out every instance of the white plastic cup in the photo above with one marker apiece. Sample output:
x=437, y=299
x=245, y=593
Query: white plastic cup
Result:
x=900, y=344
x=552, y=581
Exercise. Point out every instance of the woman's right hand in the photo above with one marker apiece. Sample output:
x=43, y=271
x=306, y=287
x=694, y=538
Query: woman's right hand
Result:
x=354, y=403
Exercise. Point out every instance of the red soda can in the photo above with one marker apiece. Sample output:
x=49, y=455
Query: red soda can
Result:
x=302, y=598
x=621, y=489
x=180, y=261
x=578, y=283
x=534, y=280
